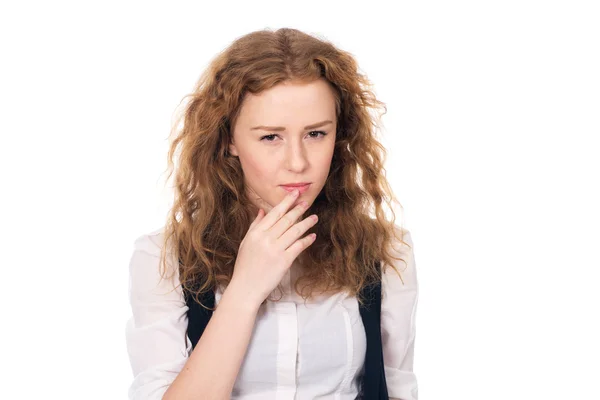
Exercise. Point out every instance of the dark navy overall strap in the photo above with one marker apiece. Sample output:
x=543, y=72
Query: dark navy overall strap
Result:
x=374, y=385
x=198, y=316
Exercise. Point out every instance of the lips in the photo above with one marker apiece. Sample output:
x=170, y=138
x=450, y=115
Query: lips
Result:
x=301, y=188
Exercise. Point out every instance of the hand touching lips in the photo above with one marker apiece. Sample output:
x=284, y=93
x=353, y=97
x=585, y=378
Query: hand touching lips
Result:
x=301, y=189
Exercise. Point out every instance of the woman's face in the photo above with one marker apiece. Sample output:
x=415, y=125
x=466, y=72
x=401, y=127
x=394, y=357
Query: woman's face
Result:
x=278, y=140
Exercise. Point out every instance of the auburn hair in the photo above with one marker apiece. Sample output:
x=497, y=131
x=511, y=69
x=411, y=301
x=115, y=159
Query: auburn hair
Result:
x=209, y=217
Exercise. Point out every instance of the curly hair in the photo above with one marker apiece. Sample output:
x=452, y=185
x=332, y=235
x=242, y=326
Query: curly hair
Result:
x=209, y=216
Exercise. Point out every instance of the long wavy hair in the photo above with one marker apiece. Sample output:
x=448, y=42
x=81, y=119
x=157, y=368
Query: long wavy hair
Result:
x=209, y=217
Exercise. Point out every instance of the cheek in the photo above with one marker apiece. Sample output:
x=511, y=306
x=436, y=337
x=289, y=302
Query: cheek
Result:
x=325, y=166
x=325, y=160
x=256, y=169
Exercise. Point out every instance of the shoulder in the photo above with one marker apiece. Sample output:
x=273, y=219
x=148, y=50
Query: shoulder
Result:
x=404, y=234
x=150, y=242
x=402, y=250
x=145, y=264
x=402, y=244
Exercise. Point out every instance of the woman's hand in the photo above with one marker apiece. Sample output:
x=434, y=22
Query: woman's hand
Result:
x=269, y=248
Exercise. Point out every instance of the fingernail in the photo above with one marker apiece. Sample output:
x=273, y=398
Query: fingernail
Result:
x=295, y=192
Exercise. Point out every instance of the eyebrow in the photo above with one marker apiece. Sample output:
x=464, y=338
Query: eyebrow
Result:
x=281, y=128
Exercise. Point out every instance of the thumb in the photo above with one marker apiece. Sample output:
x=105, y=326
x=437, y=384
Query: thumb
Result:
x=258, y=217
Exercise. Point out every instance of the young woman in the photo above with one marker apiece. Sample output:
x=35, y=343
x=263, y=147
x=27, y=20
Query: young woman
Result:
x=276, y=275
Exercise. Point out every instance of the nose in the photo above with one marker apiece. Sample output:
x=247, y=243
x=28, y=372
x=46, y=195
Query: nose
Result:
x=296, y=157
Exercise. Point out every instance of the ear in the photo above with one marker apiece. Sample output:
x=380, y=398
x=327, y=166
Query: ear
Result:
x=233, y=150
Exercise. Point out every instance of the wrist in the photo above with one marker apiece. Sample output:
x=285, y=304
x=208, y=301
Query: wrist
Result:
x=236, y=296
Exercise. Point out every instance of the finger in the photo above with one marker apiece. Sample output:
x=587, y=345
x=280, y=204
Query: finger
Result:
x=299, y=246
x=259, y=200
x=262, y=204
x=287, y=221
x=257, y=218
x=295, y=232
x=278, y=211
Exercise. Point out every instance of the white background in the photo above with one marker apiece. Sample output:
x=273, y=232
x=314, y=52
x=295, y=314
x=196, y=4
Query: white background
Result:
x=492, y=128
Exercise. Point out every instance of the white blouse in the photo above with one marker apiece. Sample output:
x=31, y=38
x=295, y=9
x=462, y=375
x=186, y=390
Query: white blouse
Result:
x=297, y=351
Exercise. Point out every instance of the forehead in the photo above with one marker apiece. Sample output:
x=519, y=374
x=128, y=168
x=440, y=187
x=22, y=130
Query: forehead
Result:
x=289, y=103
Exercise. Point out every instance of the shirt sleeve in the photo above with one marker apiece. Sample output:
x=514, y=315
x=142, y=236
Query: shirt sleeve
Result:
x=156, y=333
x=398, y=309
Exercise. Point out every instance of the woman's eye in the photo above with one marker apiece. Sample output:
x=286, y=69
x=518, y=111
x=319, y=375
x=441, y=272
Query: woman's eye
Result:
x=317, y=132
x=269, y=138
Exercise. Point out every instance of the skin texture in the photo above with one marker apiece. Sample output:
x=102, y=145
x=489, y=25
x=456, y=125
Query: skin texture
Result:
x=292, y=155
